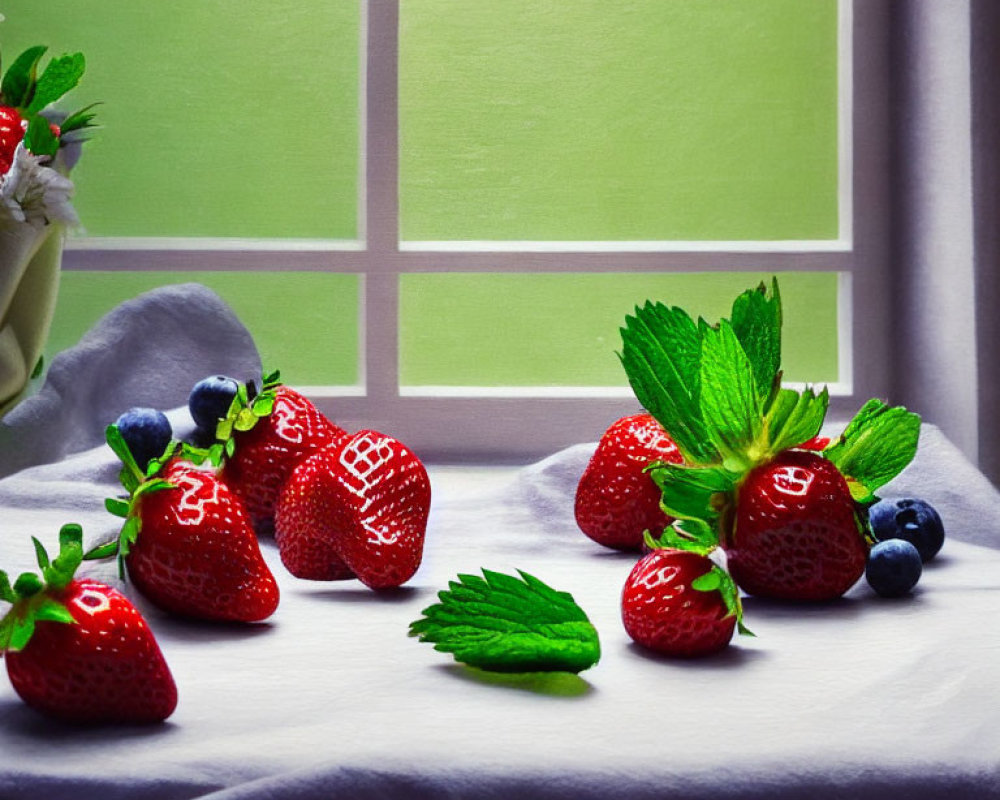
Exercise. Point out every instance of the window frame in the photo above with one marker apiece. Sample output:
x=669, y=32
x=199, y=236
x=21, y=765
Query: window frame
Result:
x=529, y=424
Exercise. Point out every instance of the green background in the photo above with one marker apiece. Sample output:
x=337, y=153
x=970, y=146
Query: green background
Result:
x=561, y=329
x=220, y=118
x=639, y=119
x=304, y=323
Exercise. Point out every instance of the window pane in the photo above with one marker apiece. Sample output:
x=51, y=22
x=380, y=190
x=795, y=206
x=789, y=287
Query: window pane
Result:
x=651, y=120
x=304, y=323
x=561, y=329
x=227, y=118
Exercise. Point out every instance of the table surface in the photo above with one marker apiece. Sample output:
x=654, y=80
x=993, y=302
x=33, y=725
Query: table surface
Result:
x=859, y=698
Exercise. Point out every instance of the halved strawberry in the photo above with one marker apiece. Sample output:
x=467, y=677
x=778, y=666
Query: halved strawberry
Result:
x=679, y=603
x=357, y=507
x=265, y=436
x=616, y=501
x=77, y=649
x=795, y=534
x=187, y=543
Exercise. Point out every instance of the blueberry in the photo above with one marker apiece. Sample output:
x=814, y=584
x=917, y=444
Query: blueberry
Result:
x=916, y=521
x=210, y=399
x=147, y=433
x=894, y=567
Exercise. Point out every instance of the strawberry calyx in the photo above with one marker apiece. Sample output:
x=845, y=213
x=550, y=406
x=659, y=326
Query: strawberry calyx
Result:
x=248, y=407
x=35, y=599
x=137, y=483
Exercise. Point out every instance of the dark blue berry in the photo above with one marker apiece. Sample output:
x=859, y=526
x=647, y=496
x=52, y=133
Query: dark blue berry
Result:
x=146, y=432
x=210, y=399
x=916, y=521
x=894, y=567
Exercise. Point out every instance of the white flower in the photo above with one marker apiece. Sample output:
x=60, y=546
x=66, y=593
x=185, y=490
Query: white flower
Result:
x=36, y=194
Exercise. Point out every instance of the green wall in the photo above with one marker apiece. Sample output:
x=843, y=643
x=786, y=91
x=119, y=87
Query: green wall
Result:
x=645, y=119
x=561, y=329
x=220, y=118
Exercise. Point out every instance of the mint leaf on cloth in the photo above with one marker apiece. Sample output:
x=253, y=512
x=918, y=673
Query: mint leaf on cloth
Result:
x=503, y=624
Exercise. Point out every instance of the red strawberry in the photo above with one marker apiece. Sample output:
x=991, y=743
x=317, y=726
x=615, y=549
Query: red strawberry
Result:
x=357, y=507
x=187, y=542
x=794, y=533
x=12, y=127
x=78, y=650
x=664, y=610
x=270, y=444
x=615, y=500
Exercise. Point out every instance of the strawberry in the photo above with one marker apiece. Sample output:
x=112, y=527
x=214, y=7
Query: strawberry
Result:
x=795, y=534
x=77, y=649
x=615, y=500
x=187, y=543
x=265, y=436
x=786, y=515
x=679, y=603
x=12, y=128
x=358, y=507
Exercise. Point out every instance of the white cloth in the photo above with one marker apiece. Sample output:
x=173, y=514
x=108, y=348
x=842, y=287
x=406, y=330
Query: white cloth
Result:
x=862, y=698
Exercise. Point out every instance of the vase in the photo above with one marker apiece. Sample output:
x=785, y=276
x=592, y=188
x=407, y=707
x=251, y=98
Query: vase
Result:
x=30, y=263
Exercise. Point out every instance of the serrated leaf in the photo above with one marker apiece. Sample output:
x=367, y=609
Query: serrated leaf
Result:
x=660, y=353
x=756, y=319
x=878, y=443
x=503, y=624
x=59, y=76
x=689, y=492
x=19, y=81
x=795, y=417
x=730, y=404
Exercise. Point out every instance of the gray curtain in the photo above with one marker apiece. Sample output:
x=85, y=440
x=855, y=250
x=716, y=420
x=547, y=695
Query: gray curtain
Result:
x=945, y=299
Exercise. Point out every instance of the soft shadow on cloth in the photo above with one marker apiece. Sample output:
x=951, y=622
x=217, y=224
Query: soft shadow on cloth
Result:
x=148, y=351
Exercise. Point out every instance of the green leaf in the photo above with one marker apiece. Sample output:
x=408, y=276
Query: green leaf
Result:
x=695, y=494
x=50, y=610
x=504, y=624
x=6, y=590
x=756, y=320
x=795, y=417
x=119, y=508
x=39, y=368
x=660, y=353
x=730, y=404
x=102, y=551
x=39, y=139
x=263, y=404
x=18, y=83
x=118, y=446
x=718, y=580
x=877, y=444
x=28, y=584
x=40, y=555
x=59, y=76
x=21, y=632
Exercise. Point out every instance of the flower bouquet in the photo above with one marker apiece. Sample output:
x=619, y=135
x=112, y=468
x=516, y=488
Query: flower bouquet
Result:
x=38, y=146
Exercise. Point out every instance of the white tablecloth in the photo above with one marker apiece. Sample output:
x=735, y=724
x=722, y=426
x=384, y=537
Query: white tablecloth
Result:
x=861, y=698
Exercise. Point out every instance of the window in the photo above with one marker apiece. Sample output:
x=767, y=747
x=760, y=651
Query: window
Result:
x=462, y=200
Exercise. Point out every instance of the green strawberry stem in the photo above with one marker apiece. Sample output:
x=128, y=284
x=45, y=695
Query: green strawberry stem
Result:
x=31, y=597
x=137, y=484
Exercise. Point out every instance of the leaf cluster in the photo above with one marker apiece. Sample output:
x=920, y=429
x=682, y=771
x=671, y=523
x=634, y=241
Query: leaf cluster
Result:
x=29, y=91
